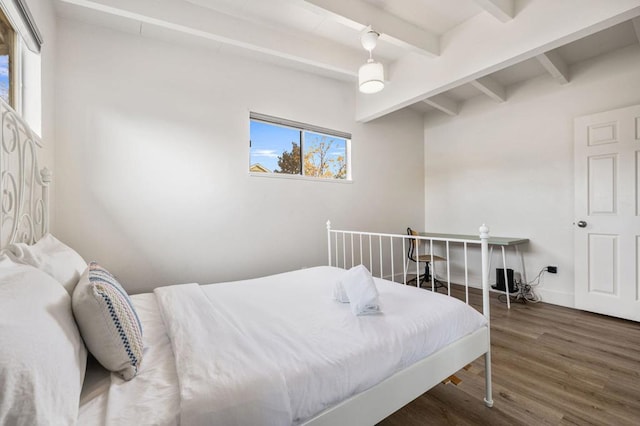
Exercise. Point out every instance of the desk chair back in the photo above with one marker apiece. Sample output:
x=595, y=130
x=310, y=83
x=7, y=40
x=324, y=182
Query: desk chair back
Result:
x=413, y=243
x=427, y=258
x=416, y=255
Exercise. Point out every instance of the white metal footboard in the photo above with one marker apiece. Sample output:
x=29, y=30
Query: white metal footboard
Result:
x=384, y=255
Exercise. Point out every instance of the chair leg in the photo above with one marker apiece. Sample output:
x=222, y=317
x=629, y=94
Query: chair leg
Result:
x=419, y=279
x=425, y=277
x=437, y=282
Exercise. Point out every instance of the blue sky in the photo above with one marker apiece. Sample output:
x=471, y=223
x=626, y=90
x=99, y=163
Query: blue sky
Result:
x=4, y=77
x=268, y=141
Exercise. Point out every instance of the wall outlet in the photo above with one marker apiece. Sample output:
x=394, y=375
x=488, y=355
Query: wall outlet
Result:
x=552, y=269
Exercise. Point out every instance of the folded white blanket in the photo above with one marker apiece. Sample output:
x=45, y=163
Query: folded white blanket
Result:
x=253, y=393
x=339, y=294
x=361, y=291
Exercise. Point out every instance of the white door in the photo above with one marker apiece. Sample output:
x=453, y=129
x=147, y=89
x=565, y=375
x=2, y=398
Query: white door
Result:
x=607, y=213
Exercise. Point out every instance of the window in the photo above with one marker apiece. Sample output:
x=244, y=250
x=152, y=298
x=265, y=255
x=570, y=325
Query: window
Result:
x=7, y=58
x=285, y=147
x=20, y=68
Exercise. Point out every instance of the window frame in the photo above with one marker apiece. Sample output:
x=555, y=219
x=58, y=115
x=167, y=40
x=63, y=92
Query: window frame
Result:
x=302, y=128
x=23, y=23
x=13, y=61
x=27, y=43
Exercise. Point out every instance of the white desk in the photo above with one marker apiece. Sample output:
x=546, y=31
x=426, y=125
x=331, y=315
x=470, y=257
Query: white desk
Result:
x=502, y=242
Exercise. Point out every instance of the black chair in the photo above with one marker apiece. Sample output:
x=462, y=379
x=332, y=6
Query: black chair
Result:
x=425, y=258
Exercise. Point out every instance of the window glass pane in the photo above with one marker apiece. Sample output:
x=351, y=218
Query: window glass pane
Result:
x=324, y=156
x=274, y=149
x=4, y=78
x=282, y=146
x=6, y=50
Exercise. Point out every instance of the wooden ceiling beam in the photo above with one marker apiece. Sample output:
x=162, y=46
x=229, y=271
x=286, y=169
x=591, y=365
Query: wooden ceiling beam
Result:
x=500, y=9
x=555, y=65
x=491, y=88
x=233, y=33
x=358, y=14
x=444, y=104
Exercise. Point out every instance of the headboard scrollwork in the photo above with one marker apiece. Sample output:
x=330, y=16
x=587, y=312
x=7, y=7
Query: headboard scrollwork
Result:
x=24, y=188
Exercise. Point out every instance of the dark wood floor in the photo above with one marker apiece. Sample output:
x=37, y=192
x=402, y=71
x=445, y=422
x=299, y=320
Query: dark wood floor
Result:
x=551, y=366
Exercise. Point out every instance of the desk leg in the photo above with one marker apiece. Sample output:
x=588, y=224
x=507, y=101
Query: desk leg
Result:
x=506, y=281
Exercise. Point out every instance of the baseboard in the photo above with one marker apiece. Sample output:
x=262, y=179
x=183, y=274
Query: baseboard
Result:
x=554, y=297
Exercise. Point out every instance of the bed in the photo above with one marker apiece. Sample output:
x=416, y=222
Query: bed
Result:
x=276, y=350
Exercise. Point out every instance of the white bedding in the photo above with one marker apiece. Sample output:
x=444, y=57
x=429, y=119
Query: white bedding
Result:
x=152, y=398
x=274, y=350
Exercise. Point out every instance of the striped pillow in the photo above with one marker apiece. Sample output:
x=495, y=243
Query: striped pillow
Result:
x=108, y=322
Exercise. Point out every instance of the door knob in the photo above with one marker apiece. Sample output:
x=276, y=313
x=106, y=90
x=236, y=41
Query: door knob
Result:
x=582, y=224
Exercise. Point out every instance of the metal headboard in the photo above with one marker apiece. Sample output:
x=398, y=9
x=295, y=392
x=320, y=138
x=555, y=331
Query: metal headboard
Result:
x=24, y=189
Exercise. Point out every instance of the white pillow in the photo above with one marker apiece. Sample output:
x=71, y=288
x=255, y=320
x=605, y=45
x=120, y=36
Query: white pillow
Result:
x=108, y=322
x=53, y=257
x=42, y=358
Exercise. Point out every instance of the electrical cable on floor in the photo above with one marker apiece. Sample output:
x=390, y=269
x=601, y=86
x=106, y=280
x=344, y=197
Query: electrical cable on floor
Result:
x=526, y=292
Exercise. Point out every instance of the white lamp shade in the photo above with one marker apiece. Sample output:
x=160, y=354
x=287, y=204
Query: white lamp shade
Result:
x=371, y=77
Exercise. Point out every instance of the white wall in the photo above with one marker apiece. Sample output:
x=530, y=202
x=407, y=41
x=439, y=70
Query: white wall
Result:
x=510, y=165
x=152, y=162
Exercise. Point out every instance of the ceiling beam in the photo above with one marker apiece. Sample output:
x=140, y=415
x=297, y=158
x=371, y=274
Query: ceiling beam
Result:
x=480, y=46
x=636, y=27
x=500, y=9
x=224, y=30
x=444, y=104
x=491, y=88
x=555, y=65
x=358, y=14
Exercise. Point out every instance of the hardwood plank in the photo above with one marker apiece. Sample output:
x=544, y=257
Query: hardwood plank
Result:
x=551, y=366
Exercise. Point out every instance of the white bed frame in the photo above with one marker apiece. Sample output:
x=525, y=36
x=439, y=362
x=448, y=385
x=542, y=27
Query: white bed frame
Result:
x=378, y=402
x=24, y=217
x=24, y=188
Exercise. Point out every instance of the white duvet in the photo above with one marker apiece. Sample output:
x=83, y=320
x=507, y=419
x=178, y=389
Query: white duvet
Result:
x=278, y=350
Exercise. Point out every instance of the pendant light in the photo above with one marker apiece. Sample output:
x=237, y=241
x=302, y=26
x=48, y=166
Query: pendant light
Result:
x=371, y=74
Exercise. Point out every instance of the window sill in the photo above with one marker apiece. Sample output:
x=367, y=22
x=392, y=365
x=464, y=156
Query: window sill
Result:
x=299, y=177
